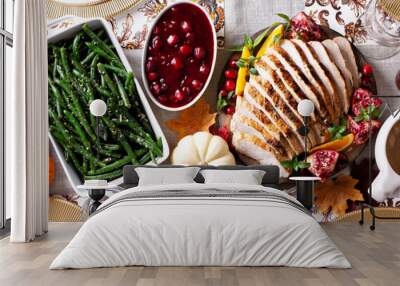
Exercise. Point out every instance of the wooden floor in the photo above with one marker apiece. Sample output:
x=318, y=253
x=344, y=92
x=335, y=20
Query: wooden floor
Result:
x=375, y=257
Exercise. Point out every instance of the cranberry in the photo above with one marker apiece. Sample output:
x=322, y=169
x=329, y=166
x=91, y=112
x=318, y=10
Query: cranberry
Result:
x=179, y=95
x=150, y=66
x=185, y=26
x=230, y=85
x=199, y=53
x=176, y=63
x=230, y=110
x=232, y=64
x=156, y=30
x=367, y=70
x=156, y=89
x=189, y=37
x=162, y=99
x=164, y=87
x=186, y=90
x=157, y=43
x=204, y=69
x=152, y=76
x=172, y=25
x=223, y=93
x=172, y=40
x=231, y=74
x=196, y=84
x=185, y=50
x=398, y=80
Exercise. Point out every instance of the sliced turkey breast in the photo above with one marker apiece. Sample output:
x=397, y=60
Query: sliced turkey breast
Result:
x=277, y=61
x=267, y=90
x=336, y=55
x=323, y=75
x=257, y=100
x=275, y=80
x=253, y=147
x=335, y=73
x=297, y=57
x=244, y=108
x=241, y=123
x=348, y=54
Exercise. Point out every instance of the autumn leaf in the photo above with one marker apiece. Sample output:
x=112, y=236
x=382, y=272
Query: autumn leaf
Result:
x=194, y=119
x=332, y=195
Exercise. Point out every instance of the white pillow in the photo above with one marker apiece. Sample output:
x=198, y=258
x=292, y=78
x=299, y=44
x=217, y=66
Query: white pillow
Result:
x=245, y=177
x=166, y=176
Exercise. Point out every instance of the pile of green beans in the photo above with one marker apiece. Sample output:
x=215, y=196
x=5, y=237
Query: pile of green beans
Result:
x=85, y=68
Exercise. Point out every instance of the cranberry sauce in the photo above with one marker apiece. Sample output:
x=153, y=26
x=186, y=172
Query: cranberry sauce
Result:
x=179, y=55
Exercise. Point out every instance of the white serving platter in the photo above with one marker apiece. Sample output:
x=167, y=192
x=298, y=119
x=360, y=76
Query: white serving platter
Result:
x=70, y=32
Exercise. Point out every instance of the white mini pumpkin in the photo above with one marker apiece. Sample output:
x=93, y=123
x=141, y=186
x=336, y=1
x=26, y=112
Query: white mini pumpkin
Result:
x=202, y=148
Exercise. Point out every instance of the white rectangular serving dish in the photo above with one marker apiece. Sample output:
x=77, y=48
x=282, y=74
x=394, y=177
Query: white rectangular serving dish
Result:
x=70, y=32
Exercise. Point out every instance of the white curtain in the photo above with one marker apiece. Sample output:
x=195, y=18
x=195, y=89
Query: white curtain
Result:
x=26, y=124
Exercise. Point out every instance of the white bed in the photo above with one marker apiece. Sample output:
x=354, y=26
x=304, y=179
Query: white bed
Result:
x=203, y=225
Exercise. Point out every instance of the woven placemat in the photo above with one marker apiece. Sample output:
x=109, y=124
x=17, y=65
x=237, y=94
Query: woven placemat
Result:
x=61, y=210
x=88, y=9
x=392, y=8
x=383, y=212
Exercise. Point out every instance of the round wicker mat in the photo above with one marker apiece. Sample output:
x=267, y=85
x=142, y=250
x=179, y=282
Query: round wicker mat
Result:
x=383, y=212
x=61, y=210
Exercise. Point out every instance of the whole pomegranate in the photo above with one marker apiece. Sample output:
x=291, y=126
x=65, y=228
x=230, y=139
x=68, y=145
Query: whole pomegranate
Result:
x=323, y=163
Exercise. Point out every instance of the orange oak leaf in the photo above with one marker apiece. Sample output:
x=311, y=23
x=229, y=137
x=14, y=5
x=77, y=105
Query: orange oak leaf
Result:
x=332, y=195
x=194, y=119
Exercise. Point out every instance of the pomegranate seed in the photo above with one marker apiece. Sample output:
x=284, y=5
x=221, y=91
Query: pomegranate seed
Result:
x=199, y=53
x=231, y=74
x=196, y=84
x=204, y=69
x=150, y=66
x=185, y=50
x=157, y=43
x=172, y=40
x=189, y=37
x=223, y=93
x=179, y=95
x=156, y=89
x=232, y=64
x=185, y=26
x=162, y=99
x=176, y=63
x=398, y=80
x=230, y=85
x=152, y=76
x=230, y=110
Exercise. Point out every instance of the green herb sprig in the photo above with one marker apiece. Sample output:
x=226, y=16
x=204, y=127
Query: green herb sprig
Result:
x=295, y=164
x=338, y=131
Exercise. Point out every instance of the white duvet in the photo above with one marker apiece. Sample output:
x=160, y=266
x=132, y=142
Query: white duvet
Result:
x=202, y=231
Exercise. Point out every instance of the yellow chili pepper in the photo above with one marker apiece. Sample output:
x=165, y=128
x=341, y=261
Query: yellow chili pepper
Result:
x=242, y=74
x=270, y=41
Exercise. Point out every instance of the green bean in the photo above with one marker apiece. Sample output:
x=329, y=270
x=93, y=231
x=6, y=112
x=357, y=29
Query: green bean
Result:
x=88, y=58
x=76, y=45
x=108, y=176
x=113, y=166
x=122, y=92
x=99, y=41
x=107, y=78
x=79, y=131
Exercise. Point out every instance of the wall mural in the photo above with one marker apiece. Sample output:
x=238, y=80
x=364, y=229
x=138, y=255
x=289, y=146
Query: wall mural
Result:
x=255, y=109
